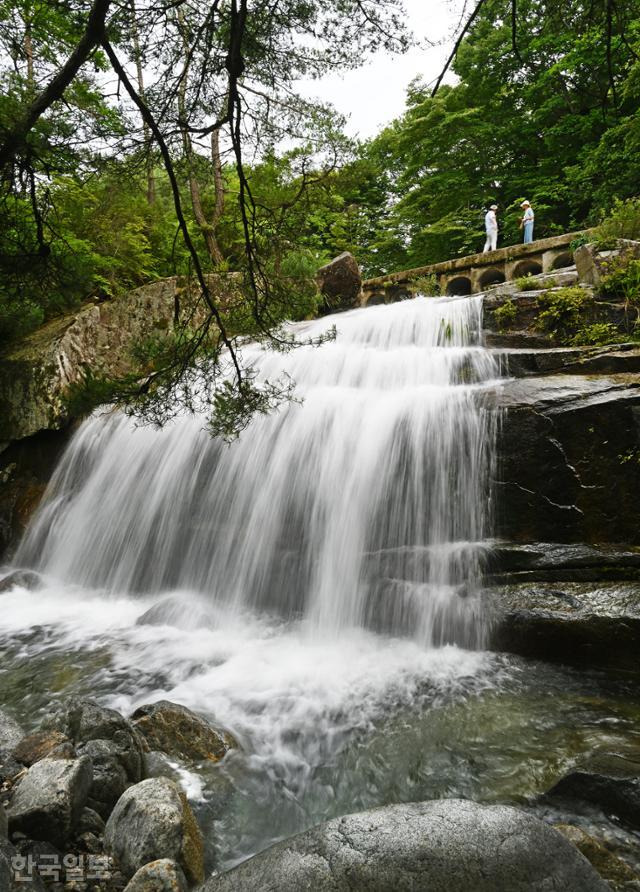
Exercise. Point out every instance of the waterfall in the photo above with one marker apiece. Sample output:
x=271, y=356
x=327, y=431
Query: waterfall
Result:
x=365, y=504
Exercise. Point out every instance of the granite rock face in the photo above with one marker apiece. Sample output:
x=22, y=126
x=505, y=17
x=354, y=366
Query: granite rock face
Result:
x=153, y=820
x=48, y=801
x=340, y=283
x=158, y=876
x=443, y=846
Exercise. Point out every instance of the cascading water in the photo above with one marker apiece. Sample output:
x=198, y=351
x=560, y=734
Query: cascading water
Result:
x=365, y=505
x=313, y=586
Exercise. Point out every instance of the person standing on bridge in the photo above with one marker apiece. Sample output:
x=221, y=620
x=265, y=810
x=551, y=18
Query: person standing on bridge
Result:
x=527, y=221
x=491, y=227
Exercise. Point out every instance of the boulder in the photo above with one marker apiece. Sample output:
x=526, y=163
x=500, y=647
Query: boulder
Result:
x=15, y=872
x=592, y=263
x=153, y=820
x=340, y=282
x=37, y=746
x=175, y=730
x=180, y=613
x=158, y=876
x=441, y=846
x=607, y=780
x=21, y=578
x=48, y=801
x=611, y=868
x=4, y=824
x=113, y=743
x=571, y=622
x=90, y=822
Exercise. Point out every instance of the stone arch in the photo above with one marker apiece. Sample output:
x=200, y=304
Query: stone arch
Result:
x=563, y=260
x=377, y=297
x=491, y=276
x=527, y=268
x=459, y=286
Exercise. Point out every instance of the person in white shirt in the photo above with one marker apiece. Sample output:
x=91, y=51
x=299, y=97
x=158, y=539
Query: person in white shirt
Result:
x=527, y=221
x=491, y=226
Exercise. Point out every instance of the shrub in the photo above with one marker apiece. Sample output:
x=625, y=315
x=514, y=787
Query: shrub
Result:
x=622, y=222
x=505, y=314
x=427, y=285
x=622, y=280
x=598, y=333
x=564, y=310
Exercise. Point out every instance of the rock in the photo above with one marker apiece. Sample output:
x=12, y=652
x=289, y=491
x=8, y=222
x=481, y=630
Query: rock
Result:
x=153, y=820
x=340, y=282
x=611, y=868
x=179, y=613
x=113, y=743
x=592, y=263
x=158, y=876
x=10, y=733
x=34, y=747
x=607, y=780
x=90, y=822
x=567, y=459
x=21, y=578
x=47, y=802
x=572, y=622
x=4, y=825
x=176, y=731
x=15, y=875
x=441, y=846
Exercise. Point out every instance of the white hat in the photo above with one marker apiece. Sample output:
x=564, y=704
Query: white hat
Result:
x=494, y=207
x=525, y=202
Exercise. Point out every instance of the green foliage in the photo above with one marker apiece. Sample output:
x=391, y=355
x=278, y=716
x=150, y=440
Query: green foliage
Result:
x=427, y=285
x=579, y=241
x=564, y=310
x=598, y=333
x=622, y=222
x=622, y=280
x=505, y=314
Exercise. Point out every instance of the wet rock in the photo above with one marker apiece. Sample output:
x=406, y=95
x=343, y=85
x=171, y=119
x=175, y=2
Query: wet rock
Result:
x=175, y=730
x=570, y=622
x=153, y=820
x=180, y=613
x=607, y=780
x=158, y=876
x=340, y=282
x=611, y=868
x=37, y=746
x=21, y=578
x=442, y=846
x=113, y=743
x=47, y=802
x=567, y=454
x=10, y=735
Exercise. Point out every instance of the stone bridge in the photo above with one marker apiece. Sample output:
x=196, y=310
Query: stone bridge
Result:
x=475, y=273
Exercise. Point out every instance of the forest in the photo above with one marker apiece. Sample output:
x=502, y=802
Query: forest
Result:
x=549, y=112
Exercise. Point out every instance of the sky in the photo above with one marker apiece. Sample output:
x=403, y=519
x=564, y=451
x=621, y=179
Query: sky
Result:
x=373, y=95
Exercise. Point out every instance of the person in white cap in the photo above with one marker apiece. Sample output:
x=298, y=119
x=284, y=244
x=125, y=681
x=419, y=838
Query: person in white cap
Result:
x=491, y=226
x=527, y=221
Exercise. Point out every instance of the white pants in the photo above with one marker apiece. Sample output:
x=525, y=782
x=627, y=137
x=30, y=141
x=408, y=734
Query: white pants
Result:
x=492, y=241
